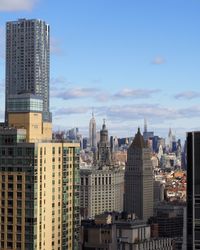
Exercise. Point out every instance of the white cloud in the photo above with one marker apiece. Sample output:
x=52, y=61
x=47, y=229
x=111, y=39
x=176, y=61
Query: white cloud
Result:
x=55, y=47
x=74, y=93
x=71, y=111
x=98, y=94
x=77, y=93
x=153, y=112
x=188, y=95
x=136, y=93
x=2, y=86
x=58, y=80
x=17, y=5
x=2, y=115
x=2, y=42
x=159, y=60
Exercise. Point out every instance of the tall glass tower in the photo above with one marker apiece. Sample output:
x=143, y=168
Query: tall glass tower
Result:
x=27, y=67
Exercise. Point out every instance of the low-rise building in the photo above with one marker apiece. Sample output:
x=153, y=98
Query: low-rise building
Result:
x=120, y=233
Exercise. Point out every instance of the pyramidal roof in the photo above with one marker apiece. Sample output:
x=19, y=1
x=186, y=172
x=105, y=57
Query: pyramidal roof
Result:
x=138, y=141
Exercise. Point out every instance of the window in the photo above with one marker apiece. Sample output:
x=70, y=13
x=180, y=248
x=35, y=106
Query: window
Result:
x=53, y=150
x=19, y=178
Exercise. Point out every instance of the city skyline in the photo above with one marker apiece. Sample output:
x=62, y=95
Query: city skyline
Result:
x=126, y=61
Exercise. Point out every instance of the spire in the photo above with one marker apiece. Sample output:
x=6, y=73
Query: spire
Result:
x=145, y=125
x=170, y=132
x=104, y=124
x=138, y=141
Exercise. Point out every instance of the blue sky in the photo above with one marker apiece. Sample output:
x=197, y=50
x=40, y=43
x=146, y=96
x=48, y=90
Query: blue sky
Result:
x=128, y=60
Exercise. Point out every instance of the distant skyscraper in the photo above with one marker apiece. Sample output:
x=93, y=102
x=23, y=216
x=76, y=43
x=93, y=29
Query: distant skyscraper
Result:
x=92, y=133
x=145, y=125
x=139, y=179
x=147, y=134
x=193, y=190
x=114, y=145
x=104, y=152
x=27, y=67
x=171, y=141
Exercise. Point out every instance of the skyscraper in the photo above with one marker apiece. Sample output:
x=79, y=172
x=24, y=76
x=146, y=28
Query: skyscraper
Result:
x=139, y=179
x=147, y=134
x=92, y=133
x=193, y=190
x=39, y=178
x=27, y=67
x=104, y=152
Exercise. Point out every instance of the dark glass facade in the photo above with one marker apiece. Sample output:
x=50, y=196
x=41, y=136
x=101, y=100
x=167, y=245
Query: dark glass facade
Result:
x=193, y=190
x=27, y=62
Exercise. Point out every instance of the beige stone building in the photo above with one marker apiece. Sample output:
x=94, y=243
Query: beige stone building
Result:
x=100, y=191
x=38, y=188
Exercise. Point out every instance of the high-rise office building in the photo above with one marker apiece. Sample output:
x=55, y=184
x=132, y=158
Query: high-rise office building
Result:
x=39, y=178
x=193, y=190
x=139, y=179
x=27, y=67
x=92, y=134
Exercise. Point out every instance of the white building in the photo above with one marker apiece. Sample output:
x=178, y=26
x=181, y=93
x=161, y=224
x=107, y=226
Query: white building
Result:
x=100, y=191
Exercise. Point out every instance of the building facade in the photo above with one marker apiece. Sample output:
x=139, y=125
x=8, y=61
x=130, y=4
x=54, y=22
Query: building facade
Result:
x=39, y=185
x=170, y=219
x=39, y=178
x=193, y=190
x=27, y=67
x=100, y=191
x=138, y=181
x=122, y=235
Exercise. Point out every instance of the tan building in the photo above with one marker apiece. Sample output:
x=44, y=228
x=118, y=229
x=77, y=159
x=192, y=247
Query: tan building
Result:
x=39, y=182
x=38, y=192
x=39, y=178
